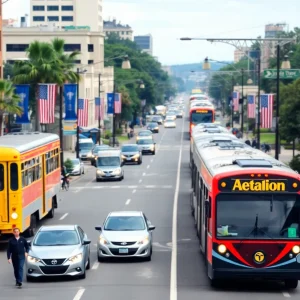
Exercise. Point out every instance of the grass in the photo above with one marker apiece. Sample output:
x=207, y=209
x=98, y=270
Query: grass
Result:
x=122, y=138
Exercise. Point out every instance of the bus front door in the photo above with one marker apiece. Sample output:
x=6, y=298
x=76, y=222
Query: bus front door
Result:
x=3, y=193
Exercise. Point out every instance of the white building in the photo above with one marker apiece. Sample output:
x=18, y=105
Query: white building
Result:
x=123, y=31
x=89, y=43
x=67, y=13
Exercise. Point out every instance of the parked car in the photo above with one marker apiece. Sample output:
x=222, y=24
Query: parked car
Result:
x=78, y=167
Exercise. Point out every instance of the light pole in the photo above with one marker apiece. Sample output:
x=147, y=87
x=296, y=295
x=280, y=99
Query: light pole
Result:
x=99, y=112
x=258, y=100
x=242, y=103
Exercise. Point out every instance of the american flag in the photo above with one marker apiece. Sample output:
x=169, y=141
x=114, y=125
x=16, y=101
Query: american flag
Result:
x=83, y=114
x=118, y=103
x=235, y=99
x=47, y=96
x=251, y=106
x=266, y=104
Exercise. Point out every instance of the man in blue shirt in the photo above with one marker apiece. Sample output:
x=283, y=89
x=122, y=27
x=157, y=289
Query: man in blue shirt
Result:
x=17, y=251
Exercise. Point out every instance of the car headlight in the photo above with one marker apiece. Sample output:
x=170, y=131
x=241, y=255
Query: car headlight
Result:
x=14, y=215
x=144, y=241
x=103, y=241
x=123, y=156
x=152, y=147
x=89, y=154
x=32, y=259
x=117, y=172
x=76, y=258
x=136, y=156
x=100, y=172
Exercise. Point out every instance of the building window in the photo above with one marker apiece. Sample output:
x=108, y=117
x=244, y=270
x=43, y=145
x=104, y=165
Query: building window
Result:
x=67, y=18
x=67, y=7
x=38, y=8
x=53, y=18
x=38, y=19
x=77, y=61
x=72, y=47
x=52, y=8
x=16, y=47
x=90, y=47
x=90, y=61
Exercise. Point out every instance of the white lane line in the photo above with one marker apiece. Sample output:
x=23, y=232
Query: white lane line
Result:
x=148, y=166
x=140, y=180
x=132, y=186
x=173, y=281
x=151, y=160
x=95, y=265
x=286, y=294
x=144, y=174
x=127, y=202
x=133, y=191
x=79, y=294
x=61, y=218
x=150, y=186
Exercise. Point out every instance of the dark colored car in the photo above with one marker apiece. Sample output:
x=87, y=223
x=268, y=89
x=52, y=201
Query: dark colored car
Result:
x=95, y=152
x=131, y=153
x=158, y=120
x=153, y=127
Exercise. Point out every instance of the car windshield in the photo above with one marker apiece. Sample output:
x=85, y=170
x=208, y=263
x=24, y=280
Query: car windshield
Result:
x=152, y=125
x=169, y=121
x=101, y=148
x=110, y=161
x=258, y=216
x=202, y=117
x=131, y=148
x=144, y=142
x=145, y=133
x=75, y=162
x=86, y=146
x=125, y=223
x=56, y=238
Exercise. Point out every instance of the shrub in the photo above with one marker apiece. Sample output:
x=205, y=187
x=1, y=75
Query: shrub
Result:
x=107, y=134
x=68, y=164
x=295, y=163
x=118, y=131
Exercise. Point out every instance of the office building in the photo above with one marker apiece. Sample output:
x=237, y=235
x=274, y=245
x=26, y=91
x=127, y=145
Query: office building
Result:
x=145, y=43
x=240, y=53
x=268, y=49
x=64, y=13
x=123, y=31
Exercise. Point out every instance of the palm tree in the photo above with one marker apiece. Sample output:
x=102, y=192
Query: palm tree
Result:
x=47, y=63
x=9, y=101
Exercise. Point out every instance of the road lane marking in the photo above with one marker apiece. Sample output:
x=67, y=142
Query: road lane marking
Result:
x=144, y=174
x=61, y=218
x=79, y=294
x=132, y=186
x=140, y=180
x=95, y=265
x=286, y=294
x=173, y=281
x=152, y=160
x=127, y=202
x=133, y=191
x=148, y=166
x=150, y=186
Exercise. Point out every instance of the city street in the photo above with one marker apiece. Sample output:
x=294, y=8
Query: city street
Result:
x=176, y=268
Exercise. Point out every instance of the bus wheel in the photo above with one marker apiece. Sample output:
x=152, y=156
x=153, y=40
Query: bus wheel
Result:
x=214, y=283
x=291, y=283
x=33, y=225
x=51, y=211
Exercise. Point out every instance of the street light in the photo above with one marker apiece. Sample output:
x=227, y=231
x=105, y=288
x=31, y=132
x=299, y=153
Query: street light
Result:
x=286, y=65
x=249, y=81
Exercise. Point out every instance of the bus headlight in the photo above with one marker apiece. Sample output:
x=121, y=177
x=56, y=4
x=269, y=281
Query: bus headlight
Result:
x=222, y=249
x=14, y=215
x=296, y=249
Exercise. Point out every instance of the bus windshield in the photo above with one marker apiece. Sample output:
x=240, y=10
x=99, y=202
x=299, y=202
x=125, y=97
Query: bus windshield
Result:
x=262, y=216
x=206, y=117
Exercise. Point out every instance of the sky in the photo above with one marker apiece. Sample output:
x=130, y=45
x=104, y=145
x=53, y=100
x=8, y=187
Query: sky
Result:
x=169, y=20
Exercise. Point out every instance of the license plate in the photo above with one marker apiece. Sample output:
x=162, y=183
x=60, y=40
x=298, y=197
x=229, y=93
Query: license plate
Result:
x=107, y=175
x=123, y=250
x=128, y=158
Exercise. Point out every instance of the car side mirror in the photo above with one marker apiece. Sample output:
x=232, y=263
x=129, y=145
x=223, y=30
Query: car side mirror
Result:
x=86, y=242
x=99, y=228
x=151, y=228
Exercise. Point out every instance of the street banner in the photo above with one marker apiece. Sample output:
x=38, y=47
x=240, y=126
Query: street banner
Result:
x=70, y=97
x=118, y=103
x=83, y=112
x=110, y=103
x=97, y=108
x=251, y=106
x=235, y=99
x=22, y=90
x=266, y=104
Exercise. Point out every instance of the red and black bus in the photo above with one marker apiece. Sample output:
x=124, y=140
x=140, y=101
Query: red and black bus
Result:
x=205, y=114
x=246, y=207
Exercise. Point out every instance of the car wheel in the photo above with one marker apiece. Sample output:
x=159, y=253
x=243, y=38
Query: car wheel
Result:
x=153, y=152
x=100, y=259
x=139, y=162
x=88, y=266
x=98, y=179
x=30, y=278
x=82, y=171
x=291, y=283
x=83, y=275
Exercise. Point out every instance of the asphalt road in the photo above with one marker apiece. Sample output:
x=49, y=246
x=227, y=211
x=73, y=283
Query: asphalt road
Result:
x=177, y=269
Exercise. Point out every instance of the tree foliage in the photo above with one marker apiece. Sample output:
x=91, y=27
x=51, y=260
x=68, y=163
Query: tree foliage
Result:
x=158, y=84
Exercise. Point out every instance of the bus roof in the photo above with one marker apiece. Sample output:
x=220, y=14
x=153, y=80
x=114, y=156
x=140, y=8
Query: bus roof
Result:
x=24, y=142
x=109, y=153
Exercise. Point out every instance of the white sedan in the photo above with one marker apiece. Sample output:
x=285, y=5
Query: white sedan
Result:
x=170, y=124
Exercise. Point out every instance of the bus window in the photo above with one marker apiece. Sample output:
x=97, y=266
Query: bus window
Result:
x=1, y=177
x=206, y=117
x=14, y=181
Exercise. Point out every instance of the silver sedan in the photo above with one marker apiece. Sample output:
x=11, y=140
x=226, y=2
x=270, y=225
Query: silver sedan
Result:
x=62, y=250
x=125, y=234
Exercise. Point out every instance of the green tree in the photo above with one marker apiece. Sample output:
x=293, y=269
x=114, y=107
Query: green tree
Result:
x=8, y=71
x=47, y=63
x=9, y=101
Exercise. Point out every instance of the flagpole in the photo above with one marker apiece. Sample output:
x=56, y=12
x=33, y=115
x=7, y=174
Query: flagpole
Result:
x=77, y=130
x=99, y=112
x=258, y=101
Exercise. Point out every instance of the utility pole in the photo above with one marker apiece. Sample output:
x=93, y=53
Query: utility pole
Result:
x=242, y=102
x=277, y=141
x=100, y=108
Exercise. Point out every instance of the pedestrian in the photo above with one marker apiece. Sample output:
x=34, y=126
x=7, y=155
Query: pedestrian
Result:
x=17, y=252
